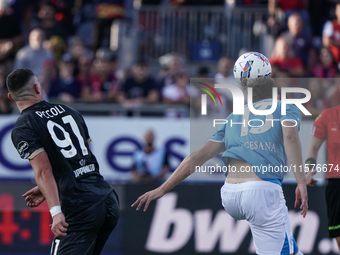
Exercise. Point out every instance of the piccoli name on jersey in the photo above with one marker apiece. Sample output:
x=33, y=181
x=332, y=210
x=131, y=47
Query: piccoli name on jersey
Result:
x=52, y=112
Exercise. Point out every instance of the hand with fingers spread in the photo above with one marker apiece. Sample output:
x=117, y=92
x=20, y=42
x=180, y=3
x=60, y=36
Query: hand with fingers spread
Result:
x=301, y=196
x=147, y=198
x=34, y=197
x=59, y=225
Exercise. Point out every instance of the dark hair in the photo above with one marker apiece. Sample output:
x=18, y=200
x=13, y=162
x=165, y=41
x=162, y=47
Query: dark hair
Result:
x=141, y=63
x=262, y=88
x=18, y=79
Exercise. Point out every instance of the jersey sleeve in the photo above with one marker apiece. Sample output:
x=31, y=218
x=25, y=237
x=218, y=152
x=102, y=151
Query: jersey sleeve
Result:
x=26, y=142
x=319, y=129
x=219, y=134
x=292, y=113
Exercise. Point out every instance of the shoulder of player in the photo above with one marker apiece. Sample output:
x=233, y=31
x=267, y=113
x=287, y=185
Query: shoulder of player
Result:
x=330, y=111
x=327, y=113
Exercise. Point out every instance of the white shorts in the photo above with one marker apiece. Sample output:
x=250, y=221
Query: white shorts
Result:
x=263, y=205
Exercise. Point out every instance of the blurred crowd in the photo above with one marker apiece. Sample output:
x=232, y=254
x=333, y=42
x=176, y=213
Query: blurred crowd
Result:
x=65, y=43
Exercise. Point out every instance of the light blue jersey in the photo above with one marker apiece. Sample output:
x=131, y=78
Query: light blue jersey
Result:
x=259, y=146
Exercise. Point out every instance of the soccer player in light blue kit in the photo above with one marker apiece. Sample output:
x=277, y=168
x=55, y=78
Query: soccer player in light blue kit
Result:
x=254, y=157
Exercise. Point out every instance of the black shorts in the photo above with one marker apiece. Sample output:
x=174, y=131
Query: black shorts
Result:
x=333, y=207
x=88, y=234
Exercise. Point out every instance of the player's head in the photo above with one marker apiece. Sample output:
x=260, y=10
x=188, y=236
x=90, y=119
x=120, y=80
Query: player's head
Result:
x=295, y=24
x=23, y=85
x=149, y=137
x=262, y=88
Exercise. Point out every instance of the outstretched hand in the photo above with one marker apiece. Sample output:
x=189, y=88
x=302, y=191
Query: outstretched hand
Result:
x=147, y=198
x=301, y=196
x=34, y=197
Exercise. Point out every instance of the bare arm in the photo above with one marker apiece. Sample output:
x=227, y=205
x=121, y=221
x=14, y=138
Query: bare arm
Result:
x=272, y=6
x=48, y=187
x=314, y=147
x=187, y=167
x=45, y=179
x=313, y=153
x=327, y=41
x=152, y=97
x=292, y=146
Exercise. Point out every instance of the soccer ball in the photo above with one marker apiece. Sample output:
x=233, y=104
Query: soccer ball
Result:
x=251, y=65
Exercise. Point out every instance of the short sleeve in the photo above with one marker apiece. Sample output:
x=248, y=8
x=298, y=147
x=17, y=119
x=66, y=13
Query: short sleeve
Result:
x=26, y=142
x=319, y=129
x=292, y=113
x=219, y=135
x=328, y=29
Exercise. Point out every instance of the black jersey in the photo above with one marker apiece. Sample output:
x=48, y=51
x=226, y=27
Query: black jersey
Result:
x=61, y=132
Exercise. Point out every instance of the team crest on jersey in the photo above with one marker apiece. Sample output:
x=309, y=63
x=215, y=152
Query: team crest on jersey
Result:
x=22, y=147
x=82, y=162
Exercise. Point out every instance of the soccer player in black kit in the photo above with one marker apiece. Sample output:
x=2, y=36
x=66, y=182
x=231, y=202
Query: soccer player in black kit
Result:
x=54, y=137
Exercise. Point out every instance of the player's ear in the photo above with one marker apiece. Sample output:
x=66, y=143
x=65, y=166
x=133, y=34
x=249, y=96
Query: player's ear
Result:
x=10, y=97
x=37, y=88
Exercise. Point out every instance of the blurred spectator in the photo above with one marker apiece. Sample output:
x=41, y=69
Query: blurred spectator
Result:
x=326, y=68
x=225, y=67
x=203, y=72
x=150, y=163
x=49, y=74
x=299, y=42
x=66, y=87
x=5, y=103
x=10, y=36
x=77, y=48
x=140, y=88
x=280, y=11
x=57, y=45
x=172, y=65
x=179, y=91
x=84, y=70
x=48, y=22
x=318, y=101
x=282, y=56
x=104, y=82
x=331, y=34
x=33, y=55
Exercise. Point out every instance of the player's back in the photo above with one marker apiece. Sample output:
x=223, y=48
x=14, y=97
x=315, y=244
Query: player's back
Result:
x=258, y=139
x=62, y=133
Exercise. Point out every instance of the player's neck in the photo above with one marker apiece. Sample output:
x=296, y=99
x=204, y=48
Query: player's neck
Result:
x=22, y=105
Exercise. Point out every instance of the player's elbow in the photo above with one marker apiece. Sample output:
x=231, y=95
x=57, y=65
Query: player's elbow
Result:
x=290, y=135
x=43, y=174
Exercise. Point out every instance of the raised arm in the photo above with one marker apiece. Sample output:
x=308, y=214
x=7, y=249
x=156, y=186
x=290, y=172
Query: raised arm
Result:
x=292, y=146
x=187, y=167
x=48, y=187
